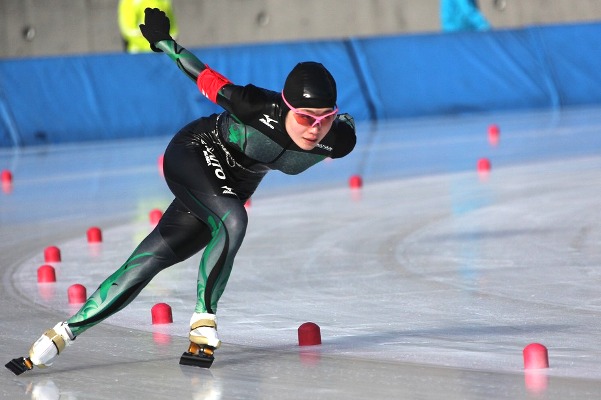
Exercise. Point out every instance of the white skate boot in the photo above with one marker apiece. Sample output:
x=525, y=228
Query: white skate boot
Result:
x=43, y=352
x=203, y=341
x=52, y=343
x=203, y=330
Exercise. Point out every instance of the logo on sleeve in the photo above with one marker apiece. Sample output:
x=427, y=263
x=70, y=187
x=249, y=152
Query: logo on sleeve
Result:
x=268, y=121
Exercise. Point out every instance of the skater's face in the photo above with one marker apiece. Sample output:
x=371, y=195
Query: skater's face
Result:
x=308, y=126
x=308, y=129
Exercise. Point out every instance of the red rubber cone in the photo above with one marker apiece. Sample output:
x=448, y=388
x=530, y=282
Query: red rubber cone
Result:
x=161, y=314
x=536, y=356
x=52, y=254
x=46, y=274
x=355, y=182
x=309, y=334
x=155, y=216
x=484, y=165
x=76, y=294
x=6, y=176
x=494, y=134
x=94, y=235
x=160, y=164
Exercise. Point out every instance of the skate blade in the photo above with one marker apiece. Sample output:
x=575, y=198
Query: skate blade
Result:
x=19, y=365
x=194, y=360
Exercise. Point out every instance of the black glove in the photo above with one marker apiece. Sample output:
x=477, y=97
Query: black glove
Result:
x=156, y=27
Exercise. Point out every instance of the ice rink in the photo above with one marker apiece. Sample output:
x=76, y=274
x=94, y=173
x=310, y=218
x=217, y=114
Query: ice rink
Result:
x=427, y=282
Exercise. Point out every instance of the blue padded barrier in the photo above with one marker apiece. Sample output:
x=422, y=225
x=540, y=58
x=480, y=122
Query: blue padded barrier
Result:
x=110, y=96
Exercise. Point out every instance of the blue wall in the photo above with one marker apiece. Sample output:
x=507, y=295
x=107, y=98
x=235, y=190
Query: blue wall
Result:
x=66, y=99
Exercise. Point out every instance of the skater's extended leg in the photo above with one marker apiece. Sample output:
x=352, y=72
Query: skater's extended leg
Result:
x=178, y=235
x=227, y=219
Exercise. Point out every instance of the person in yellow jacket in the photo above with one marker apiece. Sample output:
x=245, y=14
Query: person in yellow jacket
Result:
x=131, y=15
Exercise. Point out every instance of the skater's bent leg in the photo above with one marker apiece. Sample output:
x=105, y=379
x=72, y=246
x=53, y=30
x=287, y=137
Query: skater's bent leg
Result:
x=228, y=227
x=215, y=269
x=227, y=220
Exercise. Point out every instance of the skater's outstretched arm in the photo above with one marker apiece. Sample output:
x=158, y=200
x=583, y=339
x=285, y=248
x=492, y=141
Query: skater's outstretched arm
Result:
x=156, y=30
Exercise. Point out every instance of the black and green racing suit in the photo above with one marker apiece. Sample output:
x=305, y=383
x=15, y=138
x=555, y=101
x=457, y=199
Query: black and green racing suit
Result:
x=212, y=166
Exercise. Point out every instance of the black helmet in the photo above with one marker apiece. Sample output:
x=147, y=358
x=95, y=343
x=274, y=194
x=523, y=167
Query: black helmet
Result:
x=310, y=85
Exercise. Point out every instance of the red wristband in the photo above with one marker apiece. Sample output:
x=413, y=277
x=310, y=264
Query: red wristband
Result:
x=209, y=82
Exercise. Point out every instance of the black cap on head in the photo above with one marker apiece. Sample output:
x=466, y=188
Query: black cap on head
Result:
x=310, y=85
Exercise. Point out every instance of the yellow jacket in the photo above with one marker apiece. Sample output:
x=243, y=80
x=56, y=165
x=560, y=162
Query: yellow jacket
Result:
x=131, y=15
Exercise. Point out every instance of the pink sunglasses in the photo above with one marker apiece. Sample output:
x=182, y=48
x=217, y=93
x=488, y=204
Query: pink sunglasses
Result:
x=305, y=119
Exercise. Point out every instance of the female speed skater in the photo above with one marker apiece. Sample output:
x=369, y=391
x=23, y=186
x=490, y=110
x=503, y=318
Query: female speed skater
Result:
x=212, y=166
